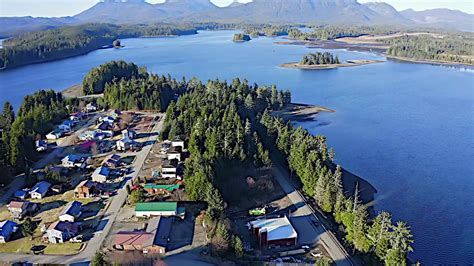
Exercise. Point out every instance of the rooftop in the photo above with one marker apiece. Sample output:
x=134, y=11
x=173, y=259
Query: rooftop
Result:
x=277, y=228
x=156, y=206
x=166, y=187
x=72, y=208
x=41, y=187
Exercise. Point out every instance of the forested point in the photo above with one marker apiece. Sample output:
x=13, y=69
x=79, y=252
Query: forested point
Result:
x=95, y=80
x=335, y=32
x=239, y=37
x=458, y=49
x=318, y=58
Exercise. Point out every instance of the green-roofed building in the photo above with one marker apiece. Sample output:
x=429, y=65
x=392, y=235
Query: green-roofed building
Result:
x=149, y=209
x=160, y=189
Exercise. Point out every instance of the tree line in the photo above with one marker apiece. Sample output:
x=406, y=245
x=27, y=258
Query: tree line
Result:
x=319, y=58
x=310, y=160
x=334, y=32
x=451, y=48
x=48, y=45
x=218, y=119
x=36, y=116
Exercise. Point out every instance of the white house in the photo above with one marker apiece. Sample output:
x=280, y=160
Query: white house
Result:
x=55, y=134
x=168, y=171
x=71, y=212
x=60, y=232
x=74, y=161
x=173, y=154
x=128, y=133
x=90, y=107
x=178, y=143
x=101, y=174
x=124, y=144
x=40, y=190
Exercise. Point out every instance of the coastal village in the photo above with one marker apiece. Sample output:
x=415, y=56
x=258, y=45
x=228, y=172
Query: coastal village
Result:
x=110, y=184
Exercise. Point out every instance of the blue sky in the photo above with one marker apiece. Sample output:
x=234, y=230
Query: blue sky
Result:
x=52, y=8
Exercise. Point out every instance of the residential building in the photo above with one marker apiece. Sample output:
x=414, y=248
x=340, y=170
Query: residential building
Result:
x=150, y=209
x=7, y=228
x=86, y=189
x=160, y=189
x=274, y=232
x=21, y=194
x=154, y=240
x=101, y=174
x=125, y=144
x=71, y=212
x=40, y=190
x=41, y=145
x=77, y=116
x=113, y=161
x=174, y=154
x=128, y=133
x=55, y=134
x=67, y=125
x=168, y=170
x=20, y=209
x=74, y=161
x=60, y=232
x=90, y=107
x=178, y=144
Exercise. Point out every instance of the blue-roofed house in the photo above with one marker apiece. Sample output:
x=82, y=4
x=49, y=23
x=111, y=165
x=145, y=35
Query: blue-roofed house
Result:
x=101, y=174
x=40, y=190
x=74, y=161
x=21, y=194
x=55, y=134
x=71, y=212
x=7, y=228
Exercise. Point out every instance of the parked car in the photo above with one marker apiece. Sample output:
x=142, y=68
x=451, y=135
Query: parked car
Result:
x=77, y=239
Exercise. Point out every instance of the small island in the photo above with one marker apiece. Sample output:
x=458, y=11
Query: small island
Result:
x=326, y=60
x=240, y=37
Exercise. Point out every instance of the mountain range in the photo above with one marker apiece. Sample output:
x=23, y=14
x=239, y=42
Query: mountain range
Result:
x=259, y=11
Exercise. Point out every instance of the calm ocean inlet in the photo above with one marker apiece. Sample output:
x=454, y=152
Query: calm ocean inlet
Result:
x=406, y=128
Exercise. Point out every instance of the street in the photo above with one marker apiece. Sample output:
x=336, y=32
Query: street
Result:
x=108, y=218
x=310, y=230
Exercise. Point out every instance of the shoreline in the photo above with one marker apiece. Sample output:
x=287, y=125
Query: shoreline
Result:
x=349, y=63
x=301, y=112
x=425, y=61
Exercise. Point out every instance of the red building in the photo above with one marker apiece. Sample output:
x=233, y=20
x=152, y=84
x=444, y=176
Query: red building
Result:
x=277, y=232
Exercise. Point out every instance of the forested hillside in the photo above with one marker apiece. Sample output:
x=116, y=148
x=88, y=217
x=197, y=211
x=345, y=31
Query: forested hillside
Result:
x=42, y=46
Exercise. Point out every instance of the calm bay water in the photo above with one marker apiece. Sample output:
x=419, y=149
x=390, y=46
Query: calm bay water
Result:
x=406, y=128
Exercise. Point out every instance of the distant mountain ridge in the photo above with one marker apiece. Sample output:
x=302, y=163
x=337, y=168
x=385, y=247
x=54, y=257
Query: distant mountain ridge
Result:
x=258, y=11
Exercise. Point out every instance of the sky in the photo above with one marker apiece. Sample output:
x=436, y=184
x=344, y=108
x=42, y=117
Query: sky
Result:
x=57, y=8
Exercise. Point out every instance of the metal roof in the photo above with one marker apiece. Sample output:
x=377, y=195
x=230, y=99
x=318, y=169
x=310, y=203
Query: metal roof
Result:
x=277, y=228
x=156, y=206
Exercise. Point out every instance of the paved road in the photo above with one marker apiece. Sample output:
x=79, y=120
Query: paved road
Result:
x=19, y=181
x=310, y=230
x=106, y=221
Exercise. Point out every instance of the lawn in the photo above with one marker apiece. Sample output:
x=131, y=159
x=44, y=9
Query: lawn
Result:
x=24, y=244
x=4, y=213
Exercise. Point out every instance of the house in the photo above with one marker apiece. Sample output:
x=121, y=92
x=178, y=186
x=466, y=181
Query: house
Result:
x=86, y=189
x=60, y=232
x=55, y=134
x=274, y=232
x=168, y=171
x=128, y=133
x=174, y=154
x=178, y=144
x=113, y=161
x=41, y=145
x=67, y=125
x=125, y=144
x=74, y=161
x=90, y=107
x=150, y=209
x=154, y=240
x=7, y=228
x=107, y=119
x=40, y=190
x=101, y=174
x=71, y=212
x=77, y=116
x=20, y=209
x=160, y=189
x=91, y=135
x=21, y=194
